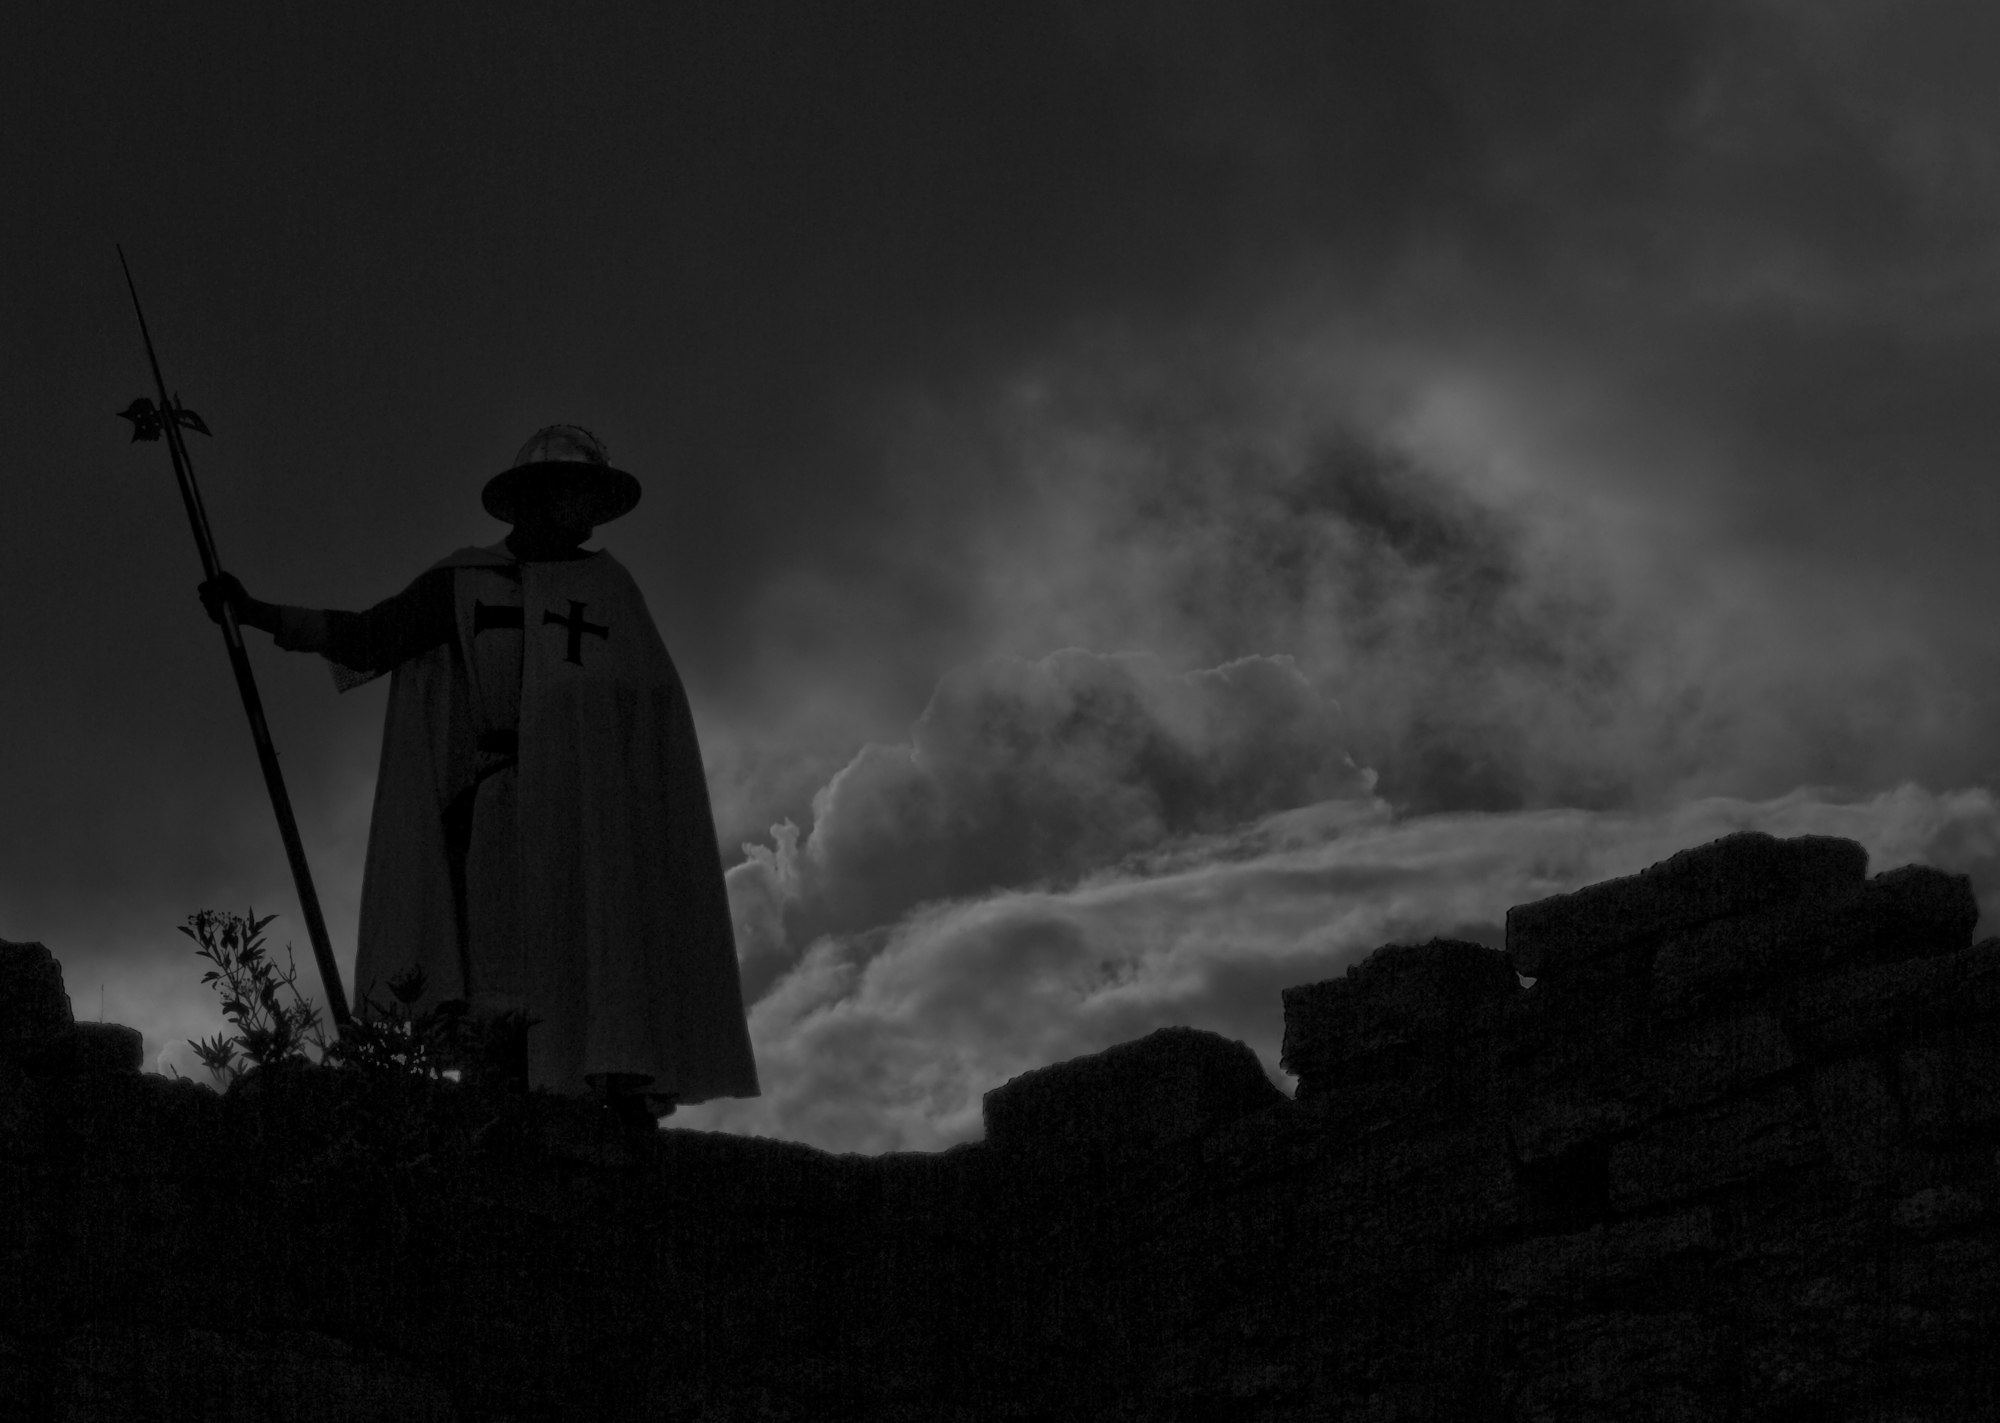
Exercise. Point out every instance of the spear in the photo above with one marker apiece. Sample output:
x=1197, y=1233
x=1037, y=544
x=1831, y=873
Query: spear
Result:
x=169, y=418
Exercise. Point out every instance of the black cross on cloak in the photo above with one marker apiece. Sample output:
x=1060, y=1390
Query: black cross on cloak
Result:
x=577, y=628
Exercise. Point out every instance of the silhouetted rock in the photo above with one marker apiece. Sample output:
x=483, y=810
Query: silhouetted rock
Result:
x=1734, y=875
x=90, y=1047
x=1735, y=1155
x=1406, y=1023
x=1127, y=1101
x=33, y=1005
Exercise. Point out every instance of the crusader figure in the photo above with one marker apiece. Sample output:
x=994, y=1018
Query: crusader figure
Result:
x=542, y=840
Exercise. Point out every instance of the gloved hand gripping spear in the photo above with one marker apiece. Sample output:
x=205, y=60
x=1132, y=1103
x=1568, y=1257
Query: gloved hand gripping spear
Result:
x=169, y=418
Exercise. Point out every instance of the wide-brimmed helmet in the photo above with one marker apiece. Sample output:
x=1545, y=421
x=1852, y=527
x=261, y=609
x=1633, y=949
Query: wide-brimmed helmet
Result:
x=562, y=459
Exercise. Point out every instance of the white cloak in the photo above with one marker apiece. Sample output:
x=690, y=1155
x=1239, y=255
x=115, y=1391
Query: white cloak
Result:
x=593, y=887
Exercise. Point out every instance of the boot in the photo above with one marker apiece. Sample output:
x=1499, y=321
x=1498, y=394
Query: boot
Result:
x=623, y=1095
x=632, y=1112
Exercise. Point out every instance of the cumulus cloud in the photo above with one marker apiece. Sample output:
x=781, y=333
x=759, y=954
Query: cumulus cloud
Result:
x=886, y=1039
x=1036, y=772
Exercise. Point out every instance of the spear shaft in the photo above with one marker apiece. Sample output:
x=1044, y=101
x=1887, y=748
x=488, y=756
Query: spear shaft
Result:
x=246, y=684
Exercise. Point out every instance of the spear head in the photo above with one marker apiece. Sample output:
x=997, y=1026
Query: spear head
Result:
x=148, y=420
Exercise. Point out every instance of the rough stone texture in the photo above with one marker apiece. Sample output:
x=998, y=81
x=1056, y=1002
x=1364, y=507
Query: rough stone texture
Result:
x=89, y=1047
x=223, y=1372
x=1410, y=1022
x=1726, y=877
x=1742, y=1164
x=33, y=1005
x=1128, y=1101
x=1913, y=912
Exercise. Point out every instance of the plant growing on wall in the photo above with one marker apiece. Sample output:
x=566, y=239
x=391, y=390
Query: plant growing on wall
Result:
x=441, y=1042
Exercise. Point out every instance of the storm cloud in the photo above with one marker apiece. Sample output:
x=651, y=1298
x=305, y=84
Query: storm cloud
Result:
x=1083, y=445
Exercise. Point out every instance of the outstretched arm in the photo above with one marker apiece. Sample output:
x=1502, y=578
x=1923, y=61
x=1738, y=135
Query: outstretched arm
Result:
x=415, y=620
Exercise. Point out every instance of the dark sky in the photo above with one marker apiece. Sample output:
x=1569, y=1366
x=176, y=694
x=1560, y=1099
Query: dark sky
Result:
x=1151, y=499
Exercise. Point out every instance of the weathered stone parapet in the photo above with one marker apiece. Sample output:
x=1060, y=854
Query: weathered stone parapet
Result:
x=1409, y=1022
x=34, y=1007
x=1873, y=1006
x=1687, y=1069
x=1129, y=1101
x=1914, y=912
x=38, y=1028
x=90, y=1047
x=155, y=1369
x=1735, y=1154
x=1617, y=968
x=1738, y=874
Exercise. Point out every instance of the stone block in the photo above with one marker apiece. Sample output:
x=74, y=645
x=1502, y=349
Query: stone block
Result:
x=1172, y=1085
x=1861, y=1009
x=1280, y=1142
x=1694, y=1065
x=1707, y=1060
x=1672, y=1160
x=1858, y=1119
x=1725, y=960
x=1403, y=1190
x=1936, y=1211
x=1805, y=1349
x=89, y=1047
x=1555, y=1121
x=1975, y=1057
x=20, y=1109
x=165, y=1371
x=1404, y=1008
x=1559, y=1270
x=1913, y=912
x=1637, y=1367
x=1949, y=1084
x=1733, y=875
x=33, y=1004
x=1923, y=1082
x=1930, y=911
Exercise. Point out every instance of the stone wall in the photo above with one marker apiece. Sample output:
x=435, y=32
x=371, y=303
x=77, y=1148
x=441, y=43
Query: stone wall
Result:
x=1731, y=1156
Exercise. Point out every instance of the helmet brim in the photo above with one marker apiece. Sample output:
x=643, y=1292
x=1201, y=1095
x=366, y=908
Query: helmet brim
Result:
x=607, y=493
